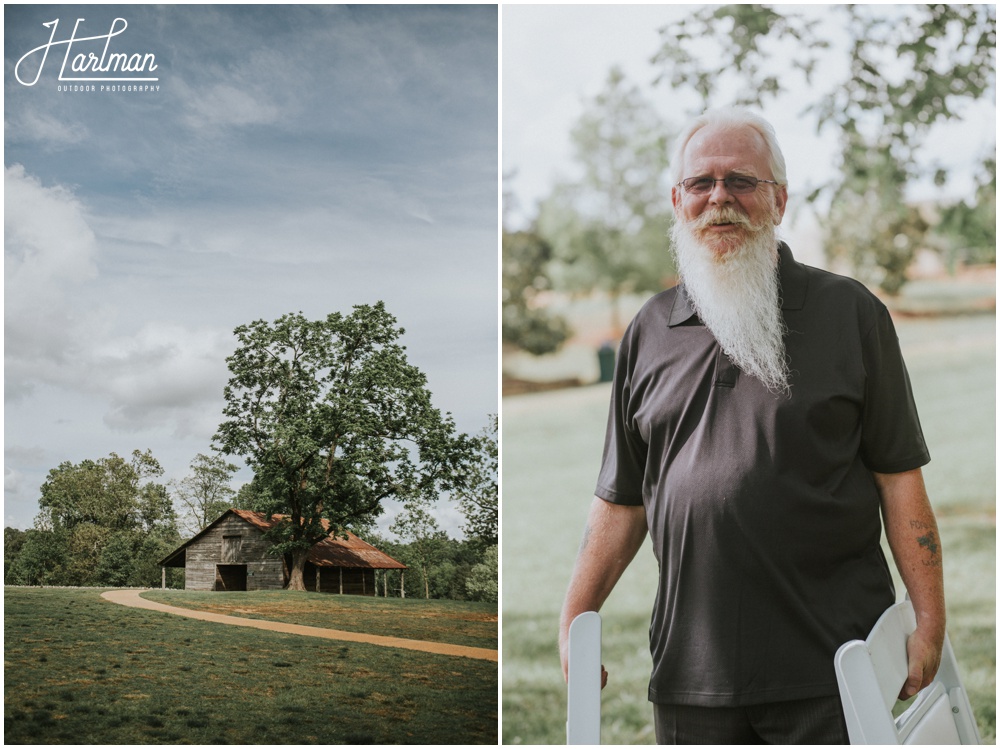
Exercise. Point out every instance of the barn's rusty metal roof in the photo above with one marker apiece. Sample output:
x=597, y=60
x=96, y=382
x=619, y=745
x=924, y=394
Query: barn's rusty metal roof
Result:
x=330, y=552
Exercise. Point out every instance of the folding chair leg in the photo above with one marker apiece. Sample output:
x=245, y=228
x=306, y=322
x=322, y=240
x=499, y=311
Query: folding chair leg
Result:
x=583, y=703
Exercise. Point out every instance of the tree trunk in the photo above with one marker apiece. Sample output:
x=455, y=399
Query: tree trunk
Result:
x=296, y=576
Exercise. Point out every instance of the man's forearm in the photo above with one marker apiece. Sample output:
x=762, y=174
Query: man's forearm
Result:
x=912, y=533
x=611, y=538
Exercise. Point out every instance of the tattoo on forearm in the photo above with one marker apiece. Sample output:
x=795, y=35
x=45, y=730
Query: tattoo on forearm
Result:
x=920, y=525
x=586, y=538
x=930, y=543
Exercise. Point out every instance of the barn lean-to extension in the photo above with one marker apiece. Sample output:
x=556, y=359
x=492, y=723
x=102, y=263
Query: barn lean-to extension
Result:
x=233, y=554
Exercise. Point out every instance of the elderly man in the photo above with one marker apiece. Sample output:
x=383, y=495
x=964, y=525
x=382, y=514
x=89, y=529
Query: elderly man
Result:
x=761, y=417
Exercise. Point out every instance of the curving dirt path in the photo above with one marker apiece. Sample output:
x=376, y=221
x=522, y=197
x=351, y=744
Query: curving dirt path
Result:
x=133, y=599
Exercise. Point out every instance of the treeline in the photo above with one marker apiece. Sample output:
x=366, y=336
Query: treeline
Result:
x=101, y=522
x=108, y=522
x=456, y=570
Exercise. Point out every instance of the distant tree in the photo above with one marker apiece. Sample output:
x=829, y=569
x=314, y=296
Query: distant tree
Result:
x=333, y=420
x=13, y=540
x=483, y=581
x=908, y=69
x=107, y=493
x=41, y=560
x=478, y=494
x=967, y=231
x=526, y=323
x=609, y=229
x=205, y=493
x=97, y=519
x=416, y=526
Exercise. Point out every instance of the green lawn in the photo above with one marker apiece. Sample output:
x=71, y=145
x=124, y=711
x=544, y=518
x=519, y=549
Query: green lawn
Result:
x=552, y=446
x=455, y=622
x=81, y=670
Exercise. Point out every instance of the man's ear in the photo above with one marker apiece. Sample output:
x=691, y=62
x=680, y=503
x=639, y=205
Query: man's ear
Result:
x=780, y=200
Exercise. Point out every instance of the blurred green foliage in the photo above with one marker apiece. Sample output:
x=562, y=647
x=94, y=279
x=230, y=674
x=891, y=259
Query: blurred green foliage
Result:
x=525, y=269
x=609, y=228
x=908, y=69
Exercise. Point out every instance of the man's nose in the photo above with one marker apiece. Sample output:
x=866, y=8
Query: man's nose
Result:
x=719, y=194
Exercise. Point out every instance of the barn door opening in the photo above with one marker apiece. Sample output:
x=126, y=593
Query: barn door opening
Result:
x=230, y=577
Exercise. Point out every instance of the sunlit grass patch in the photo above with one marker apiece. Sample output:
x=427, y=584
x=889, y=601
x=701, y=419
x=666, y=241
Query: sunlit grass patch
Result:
x=455, y=622
x=148, y=677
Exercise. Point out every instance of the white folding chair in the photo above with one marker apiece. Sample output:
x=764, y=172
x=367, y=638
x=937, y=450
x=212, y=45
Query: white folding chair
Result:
x=870, y=674
x=583, y=694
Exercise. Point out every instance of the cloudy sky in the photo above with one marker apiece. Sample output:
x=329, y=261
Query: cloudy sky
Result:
x=305, y=158
x=556, y=58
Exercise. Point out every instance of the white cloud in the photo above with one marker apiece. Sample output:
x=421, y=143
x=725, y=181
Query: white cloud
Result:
x=166, y=374
x=59, y=316
x=49, y=250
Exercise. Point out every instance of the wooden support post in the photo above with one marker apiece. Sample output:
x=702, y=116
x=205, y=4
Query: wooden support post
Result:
x=341, y=569
x=163, y=577
x=402, y=584
x=317, y=579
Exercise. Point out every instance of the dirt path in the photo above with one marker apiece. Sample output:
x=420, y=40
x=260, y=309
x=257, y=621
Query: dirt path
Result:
x=133, y=599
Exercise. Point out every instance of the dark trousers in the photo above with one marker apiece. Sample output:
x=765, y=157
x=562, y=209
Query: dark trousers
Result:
x=813, y=721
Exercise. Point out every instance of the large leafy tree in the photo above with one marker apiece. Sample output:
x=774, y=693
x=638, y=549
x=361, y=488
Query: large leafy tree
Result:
x=205, y=493
x=609, y=227
x=908, y=68
x=333, y=420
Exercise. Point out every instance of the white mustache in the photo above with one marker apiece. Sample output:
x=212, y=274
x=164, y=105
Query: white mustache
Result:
x=725, y=215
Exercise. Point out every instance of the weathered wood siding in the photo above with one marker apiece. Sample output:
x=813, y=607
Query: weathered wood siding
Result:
x=233, y=541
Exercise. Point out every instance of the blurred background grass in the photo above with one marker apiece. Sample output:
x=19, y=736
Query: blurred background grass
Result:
x=552, y=444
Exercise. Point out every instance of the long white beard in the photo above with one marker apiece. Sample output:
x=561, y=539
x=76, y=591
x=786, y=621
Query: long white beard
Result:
x=737, y=295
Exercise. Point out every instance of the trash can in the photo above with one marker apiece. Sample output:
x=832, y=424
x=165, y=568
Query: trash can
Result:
x=606, y=359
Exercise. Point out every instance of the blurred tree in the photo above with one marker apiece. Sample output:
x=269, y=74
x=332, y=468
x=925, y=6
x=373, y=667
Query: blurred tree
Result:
x=968, y=233
x=333, y=420
x=206, y=493
x=908, y=68
x=609, y=229
x=526, y=324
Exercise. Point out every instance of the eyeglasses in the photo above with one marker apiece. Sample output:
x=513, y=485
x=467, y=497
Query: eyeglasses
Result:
x=736, y=184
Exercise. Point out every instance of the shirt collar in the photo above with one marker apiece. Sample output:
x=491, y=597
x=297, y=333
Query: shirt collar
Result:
x=793, y=281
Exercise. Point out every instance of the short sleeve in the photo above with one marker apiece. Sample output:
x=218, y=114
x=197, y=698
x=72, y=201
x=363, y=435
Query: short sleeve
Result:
x=623, y=465
x=891, y=438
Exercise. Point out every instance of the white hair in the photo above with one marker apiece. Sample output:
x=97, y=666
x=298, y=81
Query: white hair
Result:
x=731, y=117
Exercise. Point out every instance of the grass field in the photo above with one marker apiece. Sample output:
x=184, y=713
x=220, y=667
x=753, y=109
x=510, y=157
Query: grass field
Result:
x=454, y=622
x=81, y=670
x=552, y=446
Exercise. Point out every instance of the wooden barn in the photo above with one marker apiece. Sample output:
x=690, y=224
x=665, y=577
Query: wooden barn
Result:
x=233, y=554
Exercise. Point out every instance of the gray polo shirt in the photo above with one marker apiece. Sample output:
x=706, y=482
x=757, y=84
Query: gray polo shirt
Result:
x=762, y=508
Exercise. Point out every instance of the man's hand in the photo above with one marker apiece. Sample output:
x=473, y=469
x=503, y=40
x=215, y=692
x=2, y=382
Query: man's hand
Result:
x=923, y=652
x=564, y=657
